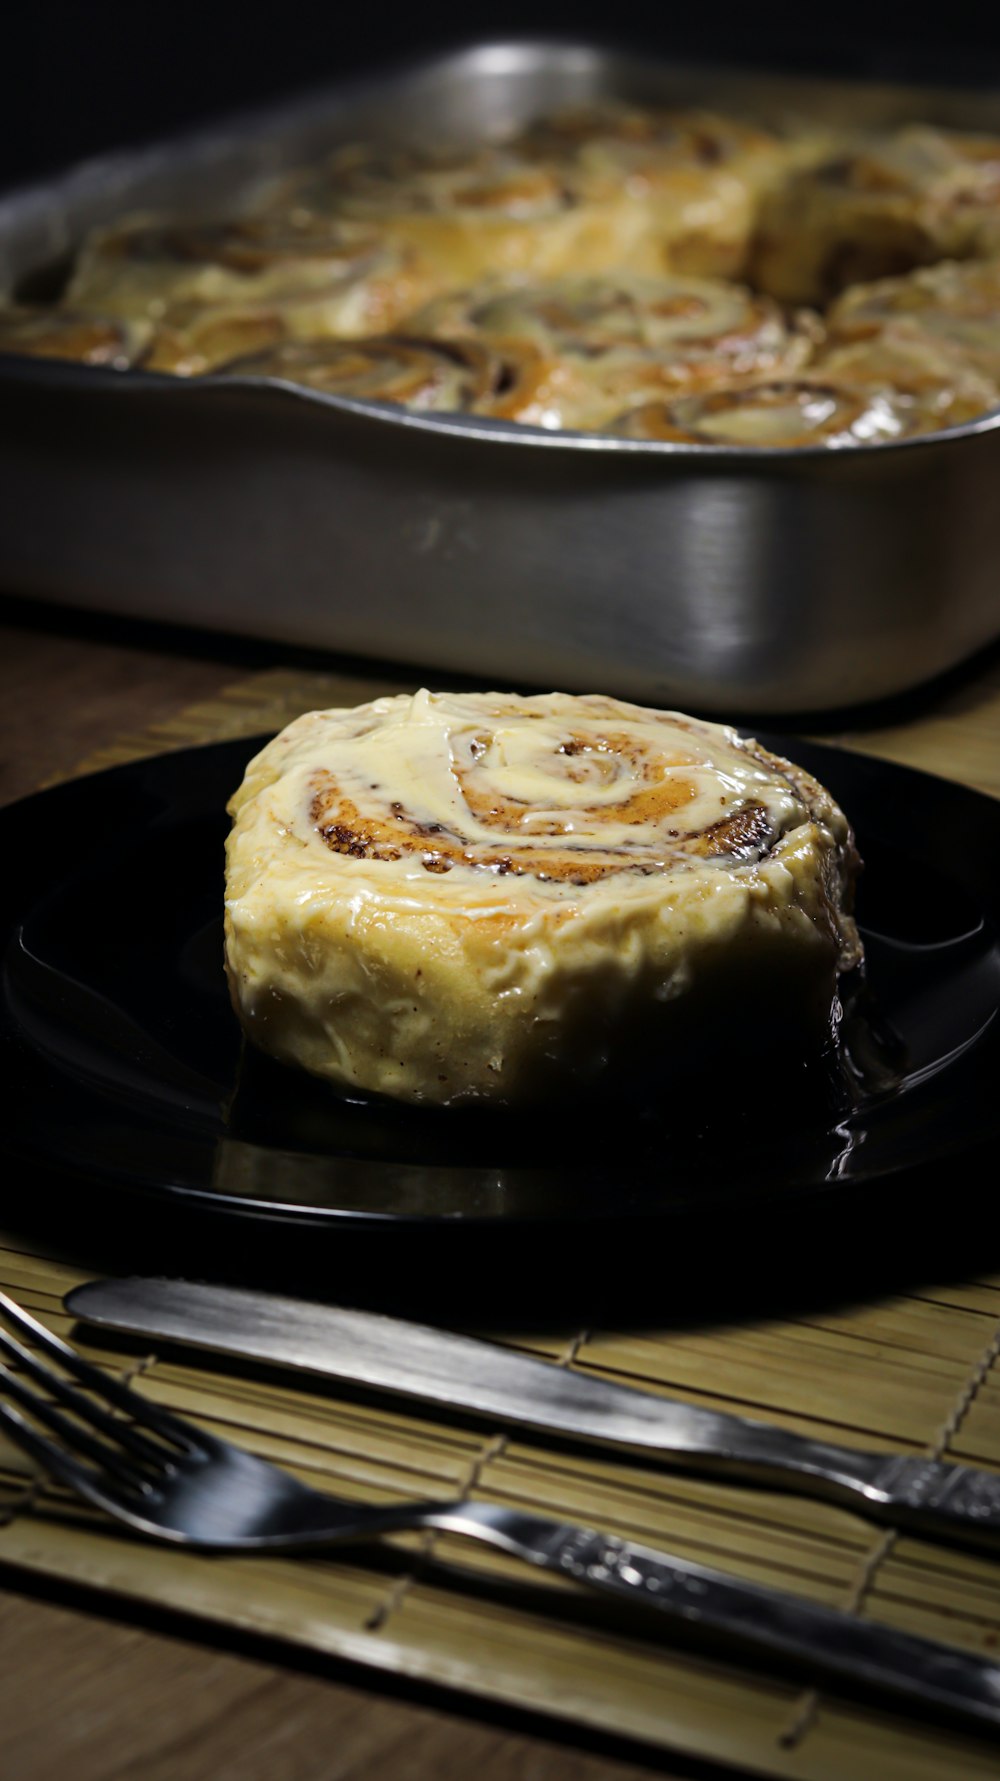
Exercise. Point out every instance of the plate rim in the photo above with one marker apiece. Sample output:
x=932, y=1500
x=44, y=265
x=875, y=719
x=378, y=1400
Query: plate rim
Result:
x=179, y=1194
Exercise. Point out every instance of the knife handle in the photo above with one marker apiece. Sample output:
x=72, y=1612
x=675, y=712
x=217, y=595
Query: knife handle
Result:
x=825, y=1642
x=933, y=1497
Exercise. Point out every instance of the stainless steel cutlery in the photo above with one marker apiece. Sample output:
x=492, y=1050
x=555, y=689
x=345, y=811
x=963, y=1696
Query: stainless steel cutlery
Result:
x=164, y=1477
x=926, y=1496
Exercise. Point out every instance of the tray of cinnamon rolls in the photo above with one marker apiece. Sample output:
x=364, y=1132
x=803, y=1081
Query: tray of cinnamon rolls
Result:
x=532, y=360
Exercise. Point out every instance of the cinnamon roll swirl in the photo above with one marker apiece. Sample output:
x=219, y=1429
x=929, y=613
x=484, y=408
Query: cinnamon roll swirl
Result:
x=892, y=203
x=442, y=376
x=608, y=342
x=950, y=312
x=842, y=401
x=451, y=898
x=144, y=265
x=466, y=213
x=264, y=276
x=190, y=341
x=696, y=175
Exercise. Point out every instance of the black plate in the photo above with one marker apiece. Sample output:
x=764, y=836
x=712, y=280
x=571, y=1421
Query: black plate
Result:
x=124, y=1064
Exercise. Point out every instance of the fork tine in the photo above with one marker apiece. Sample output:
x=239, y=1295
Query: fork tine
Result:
x=48, y=1455
x=171, y=1427
x=79, y=1440
x=120, y=1432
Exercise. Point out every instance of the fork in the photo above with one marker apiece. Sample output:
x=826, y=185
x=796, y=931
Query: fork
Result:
x=166, y=1478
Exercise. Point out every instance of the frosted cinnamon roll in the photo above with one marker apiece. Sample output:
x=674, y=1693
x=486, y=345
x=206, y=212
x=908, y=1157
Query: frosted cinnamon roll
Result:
x=606, y=342
x=696, y=174
x=895, y=202
x=191, y=341
x=950, y=311
x=467, y=213
x=436, y=375
x=325, y=275
x=834, y=404
x=192, y=338
x=481, y=897
x=63, y=334
x=936, y=383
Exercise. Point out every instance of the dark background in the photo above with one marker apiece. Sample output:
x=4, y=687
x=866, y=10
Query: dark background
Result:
x=83, y=75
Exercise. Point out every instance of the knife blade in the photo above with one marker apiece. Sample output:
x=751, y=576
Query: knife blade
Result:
x=928, y=1496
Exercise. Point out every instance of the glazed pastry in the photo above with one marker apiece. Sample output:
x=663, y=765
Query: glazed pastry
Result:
x=192, y=338
x=834, y=404
x=896, y=202
x=468, y=213
x=797, y=412
x=191, y=341
x=560, y=268
x=480, y=897
x=697, y=175
x=320, y=276
x=63, y=334
x=941, y=388
x=607, y=342
x=438, y=375
x=952, y=309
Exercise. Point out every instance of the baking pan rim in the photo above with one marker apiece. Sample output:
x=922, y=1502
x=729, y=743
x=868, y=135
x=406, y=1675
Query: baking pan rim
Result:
x=67, y=375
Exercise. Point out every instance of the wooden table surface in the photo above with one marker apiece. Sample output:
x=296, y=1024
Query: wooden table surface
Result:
x=91, y=1692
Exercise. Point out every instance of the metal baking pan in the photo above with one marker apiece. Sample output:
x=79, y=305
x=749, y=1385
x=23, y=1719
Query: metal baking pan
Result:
x=778, y=580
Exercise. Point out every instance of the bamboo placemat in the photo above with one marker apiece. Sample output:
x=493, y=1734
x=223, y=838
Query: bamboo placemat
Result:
x=914, y=1371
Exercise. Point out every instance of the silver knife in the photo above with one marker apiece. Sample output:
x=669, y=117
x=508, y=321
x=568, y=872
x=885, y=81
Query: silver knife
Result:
x=927, y=1496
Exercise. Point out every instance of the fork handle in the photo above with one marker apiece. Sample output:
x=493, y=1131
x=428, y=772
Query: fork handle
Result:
x=824, y=1641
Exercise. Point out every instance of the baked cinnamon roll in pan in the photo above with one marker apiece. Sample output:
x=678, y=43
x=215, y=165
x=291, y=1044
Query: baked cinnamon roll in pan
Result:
x=64, y=334
x=486, y=898
x=694, y=174
x=606, y=342
x=142, y=263
x=950, y=310
x=441, y=376
x=844, y=400
x=892, y=203
x=319, y=277
x=467, y=213
x=937, y=384
x=590, y=266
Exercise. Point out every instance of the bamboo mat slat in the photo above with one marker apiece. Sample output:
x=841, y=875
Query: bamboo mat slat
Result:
x=913, y=1370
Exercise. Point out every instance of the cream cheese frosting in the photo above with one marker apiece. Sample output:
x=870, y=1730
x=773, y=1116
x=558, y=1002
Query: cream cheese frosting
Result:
x=452, y=897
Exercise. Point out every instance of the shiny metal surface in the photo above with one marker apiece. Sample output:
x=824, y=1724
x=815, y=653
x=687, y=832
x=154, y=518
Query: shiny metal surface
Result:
x=171, y=1480
x=411, y=1360
x=711, y=577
